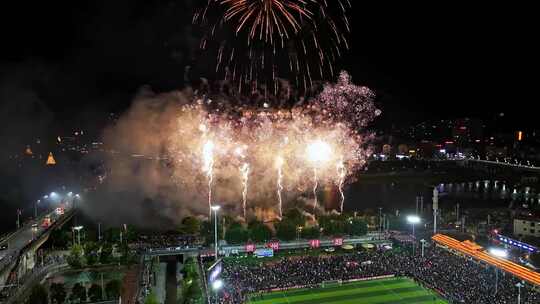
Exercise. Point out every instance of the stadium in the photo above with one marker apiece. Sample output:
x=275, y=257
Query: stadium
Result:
x=446, y=271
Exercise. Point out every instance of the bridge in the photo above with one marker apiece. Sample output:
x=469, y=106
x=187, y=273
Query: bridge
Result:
x=371, y=238
x=514, y=166
x=20, y=257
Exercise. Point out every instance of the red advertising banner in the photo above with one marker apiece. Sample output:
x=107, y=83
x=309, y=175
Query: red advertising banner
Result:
x=250, y=247
x=338, y=242
x=274, y=245
x=315, y=243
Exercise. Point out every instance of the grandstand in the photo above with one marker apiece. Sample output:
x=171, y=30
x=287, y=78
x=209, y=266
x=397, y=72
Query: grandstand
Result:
x=388, y=291
x=473, y=250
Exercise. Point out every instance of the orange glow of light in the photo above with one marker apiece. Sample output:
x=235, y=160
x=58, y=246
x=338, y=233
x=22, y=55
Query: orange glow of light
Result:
x=478, y=253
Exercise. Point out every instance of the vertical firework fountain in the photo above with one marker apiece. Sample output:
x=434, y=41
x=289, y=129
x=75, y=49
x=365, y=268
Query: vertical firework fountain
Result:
x=279, y=164
x=342, y=172
x=208, y=168
x=245, y=177
x=318, y=153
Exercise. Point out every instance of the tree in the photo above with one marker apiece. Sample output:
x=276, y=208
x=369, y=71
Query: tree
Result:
x=106, y=254
x=356, y=226
x=76, y=258
x=94, y=293
x=259, y=232
x=130, y=233
x=112, y=235
x=91, y=253
x=38, y=295
x=78, y=293
x=191, y=225
x=286, y=230
x=151, y=299
x=236, y=234
x=112, y=289
x=311, y=232
x=58, y=293
x=295, y=216
x=60, y=238
x=332, y=224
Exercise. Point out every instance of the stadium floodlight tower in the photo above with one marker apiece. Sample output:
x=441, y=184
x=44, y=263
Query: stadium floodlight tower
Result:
x=435, y=208
x=413, y=220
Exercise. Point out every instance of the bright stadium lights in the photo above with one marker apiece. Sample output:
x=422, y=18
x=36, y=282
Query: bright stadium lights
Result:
x=217, y=285
x=413, y=219
x=216, y=208
x=45, y=197
x=53, y=194
x=500, y=253
x=70, y=193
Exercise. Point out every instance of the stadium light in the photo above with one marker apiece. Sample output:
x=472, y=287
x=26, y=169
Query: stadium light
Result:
x=500, y=253
x=217, y=285
x=413, y=219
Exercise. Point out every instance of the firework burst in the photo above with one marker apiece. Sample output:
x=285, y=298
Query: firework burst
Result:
x=269, y=151
x=259, y=41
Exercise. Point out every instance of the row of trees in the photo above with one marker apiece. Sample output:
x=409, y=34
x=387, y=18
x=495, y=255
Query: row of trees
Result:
x=91, y=253
x=78, y=294
x=191, y=284
x=292, y=226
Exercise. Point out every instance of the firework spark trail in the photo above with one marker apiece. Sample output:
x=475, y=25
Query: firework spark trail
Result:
x=245, y=178
x=208, y=168
x=275, y=31
x=315, y=186
x=342, y=172
x=280, y=184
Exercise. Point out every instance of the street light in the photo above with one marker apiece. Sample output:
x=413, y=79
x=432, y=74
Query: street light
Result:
x=423, y=245
x=35, y=209
x=413, y=220
x=78, y=229
x=215, y=208
x=519, y=285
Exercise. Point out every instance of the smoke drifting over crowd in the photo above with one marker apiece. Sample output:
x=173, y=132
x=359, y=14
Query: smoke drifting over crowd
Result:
x=185, y=151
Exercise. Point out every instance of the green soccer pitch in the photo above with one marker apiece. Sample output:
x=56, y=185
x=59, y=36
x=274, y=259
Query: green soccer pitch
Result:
x=384, y=291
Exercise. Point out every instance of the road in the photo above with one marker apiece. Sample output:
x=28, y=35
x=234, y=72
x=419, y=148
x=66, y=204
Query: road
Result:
x=23, y=236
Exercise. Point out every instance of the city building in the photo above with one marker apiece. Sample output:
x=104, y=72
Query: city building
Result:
x=527, y=226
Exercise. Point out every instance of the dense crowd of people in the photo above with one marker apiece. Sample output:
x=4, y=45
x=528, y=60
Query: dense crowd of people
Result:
x=458, y=279
x=167, y=241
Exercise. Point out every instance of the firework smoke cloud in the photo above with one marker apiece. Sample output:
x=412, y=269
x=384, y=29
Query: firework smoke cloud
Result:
x=189, y=152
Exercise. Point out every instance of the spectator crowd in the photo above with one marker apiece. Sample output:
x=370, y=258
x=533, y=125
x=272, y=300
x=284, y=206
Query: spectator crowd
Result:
x=458, y=279
x=166, y=242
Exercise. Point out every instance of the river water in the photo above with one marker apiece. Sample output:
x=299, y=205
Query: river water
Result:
x=401, y=195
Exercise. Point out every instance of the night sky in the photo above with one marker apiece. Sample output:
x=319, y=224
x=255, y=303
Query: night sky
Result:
x=84, y=59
